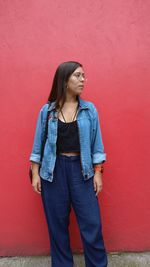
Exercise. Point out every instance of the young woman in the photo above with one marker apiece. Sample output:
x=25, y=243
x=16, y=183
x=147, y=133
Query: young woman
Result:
x=70, y=173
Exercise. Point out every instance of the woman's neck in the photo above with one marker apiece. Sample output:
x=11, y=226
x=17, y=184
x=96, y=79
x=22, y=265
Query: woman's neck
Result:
x=70, y=100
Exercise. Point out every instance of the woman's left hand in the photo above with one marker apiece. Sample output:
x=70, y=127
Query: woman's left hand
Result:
x=97, y=180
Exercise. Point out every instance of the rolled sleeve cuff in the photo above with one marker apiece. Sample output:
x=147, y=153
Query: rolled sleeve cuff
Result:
x=35, y=158
x=99, y=157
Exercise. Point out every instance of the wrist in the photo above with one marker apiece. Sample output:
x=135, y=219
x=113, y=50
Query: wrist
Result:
x=99, y=168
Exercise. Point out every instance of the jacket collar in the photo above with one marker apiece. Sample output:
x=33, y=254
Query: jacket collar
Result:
x=82, y=105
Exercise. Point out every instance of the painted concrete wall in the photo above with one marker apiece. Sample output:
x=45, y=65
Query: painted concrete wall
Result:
x=111, y=39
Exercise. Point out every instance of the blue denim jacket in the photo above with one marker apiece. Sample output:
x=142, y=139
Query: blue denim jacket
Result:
x=91, y=145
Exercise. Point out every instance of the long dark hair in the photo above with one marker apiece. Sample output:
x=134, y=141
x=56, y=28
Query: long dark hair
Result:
x=62, y=74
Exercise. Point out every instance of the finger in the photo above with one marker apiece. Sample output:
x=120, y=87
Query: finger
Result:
x=37, y=191
x=39, y=187
x=94, y=186
x=35, y=188
x=99, y=188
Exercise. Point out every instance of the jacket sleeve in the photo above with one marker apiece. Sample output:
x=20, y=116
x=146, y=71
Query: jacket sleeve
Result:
x=98, y=155
x=38, y=137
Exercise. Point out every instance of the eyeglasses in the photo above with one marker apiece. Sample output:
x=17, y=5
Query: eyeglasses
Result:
x=79, y=76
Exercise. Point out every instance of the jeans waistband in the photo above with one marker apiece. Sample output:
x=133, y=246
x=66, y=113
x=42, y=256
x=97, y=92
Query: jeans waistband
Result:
x=68, y=158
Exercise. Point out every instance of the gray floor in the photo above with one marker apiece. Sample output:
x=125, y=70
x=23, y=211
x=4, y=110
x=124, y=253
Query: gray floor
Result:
x=115, y=260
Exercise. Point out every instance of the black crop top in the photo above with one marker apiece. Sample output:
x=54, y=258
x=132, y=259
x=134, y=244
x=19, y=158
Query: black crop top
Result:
x=67, y=137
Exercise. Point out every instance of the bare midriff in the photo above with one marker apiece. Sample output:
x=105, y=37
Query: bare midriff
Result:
x=70, y=153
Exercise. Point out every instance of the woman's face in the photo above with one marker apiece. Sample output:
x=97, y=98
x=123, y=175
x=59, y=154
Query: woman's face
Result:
x=76, y=82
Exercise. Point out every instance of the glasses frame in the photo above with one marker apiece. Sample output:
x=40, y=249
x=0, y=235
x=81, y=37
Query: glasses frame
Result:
x=79, y=76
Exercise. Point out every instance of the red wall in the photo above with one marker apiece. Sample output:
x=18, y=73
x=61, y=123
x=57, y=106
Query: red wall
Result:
x=111, y=39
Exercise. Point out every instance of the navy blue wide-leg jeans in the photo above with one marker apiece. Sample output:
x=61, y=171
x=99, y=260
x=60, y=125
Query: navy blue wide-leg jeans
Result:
x=67, y=189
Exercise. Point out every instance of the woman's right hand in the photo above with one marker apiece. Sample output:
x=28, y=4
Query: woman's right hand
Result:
x=36, y=183
x=36, y=179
